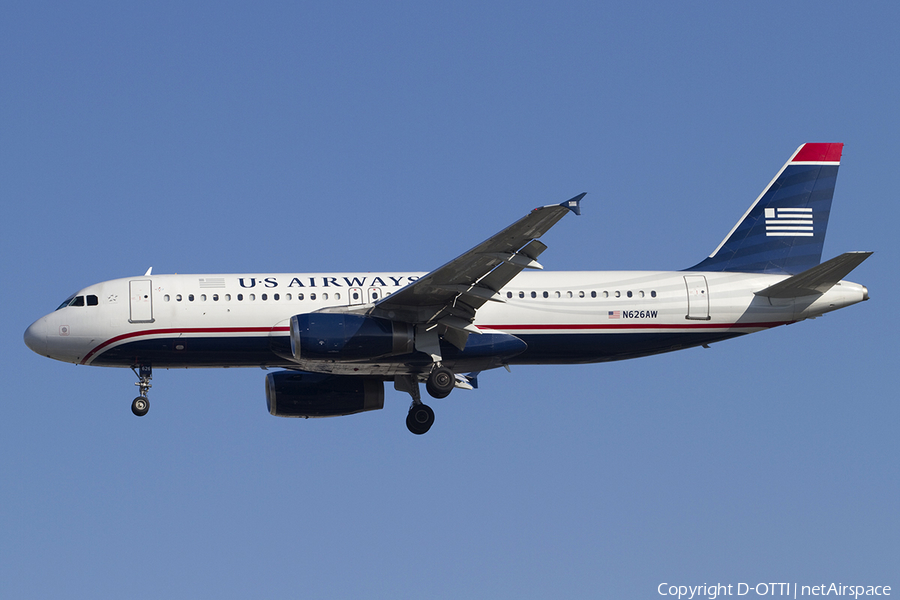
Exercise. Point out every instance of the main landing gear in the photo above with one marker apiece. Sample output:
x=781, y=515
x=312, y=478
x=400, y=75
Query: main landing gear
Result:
x=439, y=384
x=141, y=405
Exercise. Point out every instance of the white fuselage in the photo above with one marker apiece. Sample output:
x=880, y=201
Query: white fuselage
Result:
x=565, y=317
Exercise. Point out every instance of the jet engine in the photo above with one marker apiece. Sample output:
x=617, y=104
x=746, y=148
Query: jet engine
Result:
x=348, y=337
x=301, y=394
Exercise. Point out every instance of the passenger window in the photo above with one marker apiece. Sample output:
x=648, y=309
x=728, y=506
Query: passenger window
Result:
x=215, y=297
x=299, y=296
x=177, y=297
x=618, y=294
x=240, y=297
x=287, y=296
x=275, y=296
x=546, y=294
x=628, y=293
x=593, y=294
x=581, y=294
x=325, y=296
x=534, y=294
x=203, y=297
x=312, y=296
x=166, y=298
x=190, y=297
x=569, y=294
x=653, y=294
x=264, y=297
x=251, y=297
x=509, y=294
x=521, y=294
x=338, y=296
x=641, y=293
x=227, y=297
x=92, y=300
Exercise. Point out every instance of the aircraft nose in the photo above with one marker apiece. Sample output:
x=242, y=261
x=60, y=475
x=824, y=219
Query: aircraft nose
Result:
x=36, y=337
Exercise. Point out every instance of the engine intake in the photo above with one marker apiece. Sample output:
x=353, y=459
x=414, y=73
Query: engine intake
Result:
x=301, y=394
x=338, y=336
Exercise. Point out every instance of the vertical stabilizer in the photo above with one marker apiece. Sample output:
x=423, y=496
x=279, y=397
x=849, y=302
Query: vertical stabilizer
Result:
x=784, y=229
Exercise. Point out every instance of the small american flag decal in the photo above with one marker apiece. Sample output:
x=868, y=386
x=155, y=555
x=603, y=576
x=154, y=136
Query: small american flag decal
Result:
x=212, y=282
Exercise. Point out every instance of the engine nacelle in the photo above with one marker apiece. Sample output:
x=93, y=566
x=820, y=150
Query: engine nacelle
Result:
x=339, y=336
x=301, y=394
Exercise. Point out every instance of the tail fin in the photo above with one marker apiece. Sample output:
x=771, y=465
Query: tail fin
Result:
x=784, y=229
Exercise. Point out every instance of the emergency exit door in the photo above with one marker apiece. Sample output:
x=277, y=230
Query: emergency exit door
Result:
x=141, y=301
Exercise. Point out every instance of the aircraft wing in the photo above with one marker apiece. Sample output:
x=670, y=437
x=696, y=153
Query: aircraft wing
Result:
x=449, y=296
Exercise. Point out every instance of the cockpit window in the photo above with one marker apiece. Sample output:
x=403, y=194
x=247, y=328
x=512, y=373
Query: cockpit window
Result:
x=74, y=300
x=65, y=302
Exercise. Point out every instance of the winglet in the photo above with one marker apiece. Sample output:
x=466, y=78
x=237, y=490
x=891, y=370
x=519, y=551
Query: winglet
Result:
x=575, y=203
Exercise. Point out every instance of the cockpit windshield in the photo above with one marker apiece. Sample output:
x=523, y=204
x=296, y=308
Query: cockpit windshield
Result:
x=65, y=302
x=72, y=300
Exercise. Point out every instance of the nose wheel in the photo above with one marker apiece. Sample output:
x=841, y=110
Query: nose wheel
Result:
x=140, y=405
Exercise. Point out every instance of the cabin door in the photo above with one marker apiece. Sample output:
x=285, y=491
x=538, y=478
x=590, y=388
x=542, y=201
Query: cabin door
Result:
x=141, y=301
x=698, y=298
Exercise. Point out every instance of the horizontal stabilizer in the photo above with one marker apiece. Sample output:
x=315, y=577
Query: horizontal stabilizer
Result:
x=818, y=279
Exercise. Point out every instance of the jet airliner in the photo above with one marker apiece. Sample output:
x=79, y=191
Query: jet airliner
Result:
x=338, y=337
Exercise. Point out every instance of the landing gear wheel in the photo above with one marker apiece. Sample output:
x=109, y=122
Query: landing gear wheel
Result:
x=420, y=419
x=140, y=406
x=440, y=383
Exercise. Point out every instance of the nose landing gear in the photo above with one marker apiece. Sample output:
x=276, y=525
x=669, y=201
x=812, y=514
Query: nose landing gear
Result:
x=141, y=404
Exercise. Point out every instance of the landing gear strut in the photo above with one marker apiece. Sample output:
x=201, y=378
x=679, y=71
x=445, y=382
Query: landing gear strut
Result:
x=439, y=384
x=420, y=417
x=141, y=405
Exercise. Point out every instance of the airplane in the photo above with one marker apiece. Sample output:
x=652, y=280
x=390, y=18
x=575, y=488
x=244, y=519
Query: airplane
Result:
x=338, y=337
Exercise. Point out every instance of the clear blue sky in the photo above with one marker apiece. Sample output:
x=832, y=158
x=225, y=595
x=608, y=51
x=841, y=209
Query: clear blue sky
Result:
x=227, y=137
